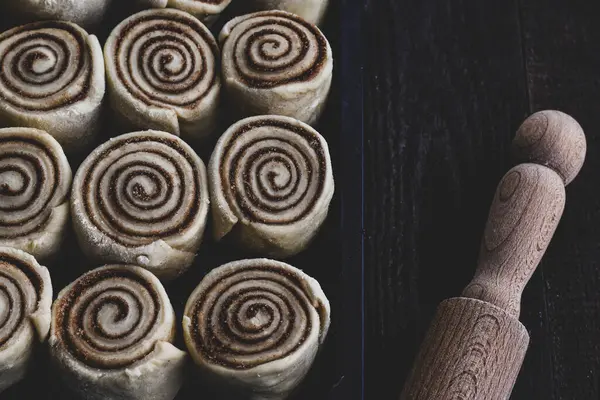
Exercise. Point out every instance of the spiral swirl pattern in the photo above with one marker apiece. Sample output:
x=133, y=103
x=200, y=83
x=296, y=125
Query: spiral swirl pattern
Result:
x=22, y=287
x=164, y=58
x=253, y=312
x=112, y=317
x=142, y=187
x=276, y=48
x=272, y=170
x=45, y=66
x=35, y=177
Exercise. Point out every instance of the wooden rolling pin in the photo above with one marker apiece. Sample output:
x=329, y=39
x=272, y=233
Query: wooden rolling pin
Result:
x=475, y=345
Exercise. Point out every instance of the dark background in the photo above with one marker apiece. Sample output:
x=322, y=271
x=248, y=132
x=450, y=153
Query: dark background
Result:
x=447, y=83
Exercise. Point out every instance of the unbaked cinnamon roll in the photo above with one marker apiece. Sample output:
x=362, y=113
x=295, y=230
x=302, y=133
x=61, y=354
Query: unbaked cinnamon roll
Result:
x=35, y=179
x=206, y=10
x=52, y=79
x=141, y=198
x=25, y=301
x=87, y=13
x=111, y=336
x=311, y=10
x=255, y=326
x=163, y=73
x=274, y=62
x=271, y=184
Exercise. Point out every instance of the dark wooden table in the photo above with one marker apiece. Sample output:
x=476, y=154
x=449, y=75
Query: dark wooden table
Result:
x=447, y=83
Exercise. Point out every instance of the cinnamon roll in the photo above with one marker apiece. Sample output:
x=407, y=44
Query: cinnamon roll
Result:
x=163, y=73
x=271, y=184
x=256, y=326
x=25, y=301
x=274, y=62
x=52, y=79
x=141, y=198
x=311, y=10
x=35, y=179
x=206, y=10
x=88, y=13
x=111, y=336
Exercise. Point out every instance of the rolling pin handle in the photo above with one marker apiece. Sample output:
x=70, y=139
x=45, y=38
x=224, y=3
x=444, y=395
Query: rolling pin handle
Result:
x=527, y=207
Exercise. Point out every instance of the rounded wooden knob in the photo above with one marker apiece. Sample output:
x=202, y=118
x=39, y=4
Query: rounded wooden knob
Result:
x=553, y=139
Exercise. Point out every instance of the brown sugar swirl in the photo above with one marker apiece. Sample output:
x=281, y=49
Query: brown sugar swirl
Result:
x=272, y=173
x=46, y=65
x=107, y=317
x=274, y=62
x=108, y=323
x=251, y=318
x=35, y=179
x=25, y=300
x=258, y=317
x=163, y=72
x=276, y=48
x=142, y=198
x=52, y=79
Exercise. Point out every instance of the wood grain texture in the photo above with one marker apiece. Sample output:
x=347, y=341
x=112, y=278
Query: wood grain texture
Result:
x=554, y=139
x=445, y=94
x=473, y=350
x=525, y=212
x=475, y=357
x=563, y=71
